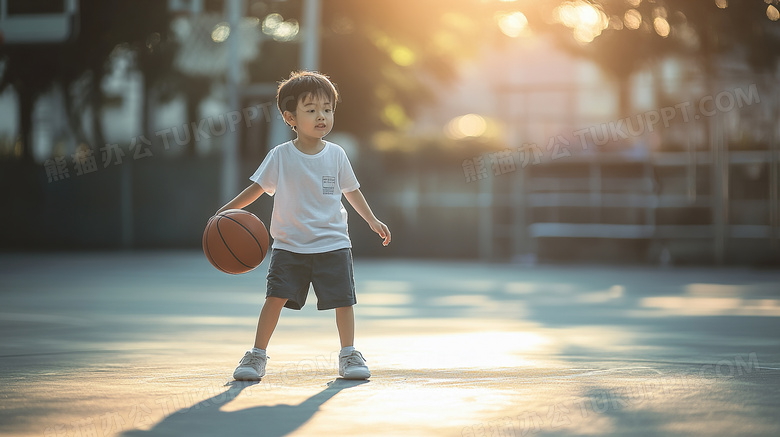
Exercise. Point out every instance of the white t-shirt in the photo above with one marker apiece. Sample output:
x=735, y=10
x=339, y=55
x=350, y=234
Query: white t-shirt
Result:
x=308, y=216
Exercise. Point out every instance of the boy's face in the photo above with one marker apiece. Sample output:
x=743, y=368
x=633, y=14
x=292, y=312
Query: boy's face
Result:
x=313, y=117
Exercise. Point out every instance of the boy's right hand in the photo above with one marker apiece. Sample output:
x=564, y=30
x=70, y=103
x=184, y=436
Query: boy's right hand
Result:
x=381, y=229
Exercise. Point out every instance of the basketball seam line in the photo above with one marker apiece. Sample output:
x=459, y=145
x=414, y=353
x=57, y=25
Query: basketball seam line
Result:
x=228, y=247
x=211, y=258
x=262, y=252
x=248, y=231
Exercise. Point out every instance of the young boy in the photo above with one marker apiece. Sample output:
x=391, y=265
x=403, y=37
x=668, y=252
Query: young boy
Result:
x=309, y=223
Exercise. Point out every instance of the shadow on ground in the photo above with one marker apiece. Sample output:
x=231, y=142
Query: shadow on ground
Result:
x=274, y=421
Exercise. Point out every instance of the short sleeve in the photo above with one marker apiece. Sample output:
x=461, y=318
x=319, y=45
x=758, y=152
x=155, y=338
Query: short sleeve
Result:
x=267, y=175
x=347, y=179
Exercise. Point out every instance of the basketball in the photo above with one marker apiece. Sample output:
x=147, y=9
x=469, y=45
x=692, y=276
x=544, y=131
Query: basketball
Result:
x=235, y=241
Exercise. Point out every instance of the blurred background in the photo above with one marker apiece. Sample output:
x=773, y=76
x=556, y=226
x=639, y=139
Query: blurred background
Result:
x=546, y=131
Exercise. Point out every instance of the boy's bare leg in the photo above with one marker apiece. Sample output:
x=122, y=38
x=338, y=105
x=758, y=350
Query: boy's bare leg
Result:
x=345, y=322
x=269, y=317
x=352, y=365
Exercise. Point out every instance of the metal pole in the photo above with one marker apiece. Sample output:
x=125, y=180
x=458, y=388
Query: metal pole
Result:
x=486, y=231
x=691, y=171
x=230, y=145
x=719, y=193
x=652, y=204
x=126, y=203
x=310, y=44
x=594, y=185
x=774, y=179
x=520, y=223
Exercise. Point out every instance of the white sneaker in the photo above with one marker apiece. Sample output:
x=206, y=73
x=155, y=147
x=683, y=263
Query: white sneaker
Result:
x=251, y=367
x=353, y=366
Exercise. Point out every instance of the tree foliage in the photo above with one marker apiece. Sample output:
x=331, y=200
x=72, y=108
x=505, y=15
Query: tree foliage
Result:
x=382, y=55
x=701, y=31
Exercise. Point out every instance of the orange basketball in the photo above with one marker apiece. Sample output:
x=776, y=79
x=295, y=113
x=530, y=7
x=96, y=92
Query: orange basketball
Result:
x=235, y=241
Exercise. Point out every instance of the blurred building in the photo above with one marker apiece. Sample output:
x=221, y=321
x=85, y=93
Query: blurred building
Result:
x=691, y=176
x=526, y=158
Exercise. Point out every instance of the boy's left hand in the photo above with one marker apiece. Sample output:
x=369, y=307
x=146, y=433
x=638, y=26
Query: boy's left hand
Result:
x=381, y=229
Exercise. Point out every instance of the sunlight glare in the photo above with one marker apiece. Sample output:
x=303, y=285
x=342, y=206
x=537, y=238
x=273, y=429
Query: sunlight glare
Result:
x=567, y=14
x=402, y=56
x=221, y=32
x=465, y=126
x=271, y=23
x=712, y=306
x=512, y=24
x=633, y=19
x=275, y=26
x=661, y=26
x=714, y=290
x=772, y=13
x=420, y=406
x=586, y=20
x=287, y=31
x=394, y=115
x=472, y=125
x=486, y=349
x=588, y=15
x=582, y=34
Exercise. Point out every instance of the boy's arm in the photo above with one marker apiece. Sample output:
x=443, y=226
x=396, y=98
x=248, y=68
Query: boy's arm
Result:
x=358, y=202
x=249, y=195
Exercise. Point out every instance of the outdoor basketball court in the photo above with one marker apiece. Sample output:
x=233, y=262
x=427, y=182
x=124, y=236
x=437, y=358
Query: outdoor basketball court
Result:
x=145, y=343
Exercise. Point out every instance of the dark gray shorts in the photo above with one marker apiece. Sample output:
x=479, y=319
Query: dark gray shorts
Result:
x=290, y=274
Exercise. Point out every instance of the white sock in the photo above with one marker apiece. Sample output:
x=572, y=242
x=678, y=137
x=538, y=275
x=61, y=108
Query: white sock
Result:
x=347, y=350
x=258, y=351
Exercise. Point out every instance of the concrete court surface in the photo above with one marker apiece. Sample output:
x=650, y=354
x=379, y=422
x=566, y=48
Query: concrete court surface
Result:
x=144, y=344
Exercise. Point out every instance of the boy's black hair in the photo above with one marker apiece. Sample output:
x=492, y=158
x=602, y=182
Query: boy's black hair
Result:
x=301, y=84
